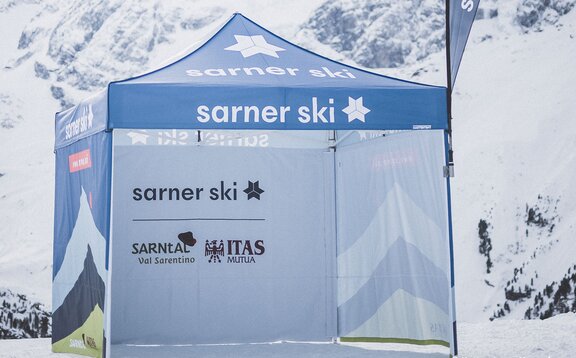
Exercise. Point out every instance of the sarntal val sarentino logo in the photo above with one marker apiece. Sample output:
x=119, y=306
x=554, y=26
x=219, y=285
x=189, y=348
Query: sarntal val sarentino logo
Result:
x=216, y=251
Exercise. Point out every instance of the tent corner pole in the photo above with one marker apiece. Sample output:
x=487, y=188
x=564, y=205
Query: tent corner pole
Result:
x=449, y=84
x=449, y=87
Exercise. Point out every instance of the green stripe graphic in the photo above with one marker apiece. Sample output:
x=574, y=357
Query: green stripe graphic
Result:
x=420, y=342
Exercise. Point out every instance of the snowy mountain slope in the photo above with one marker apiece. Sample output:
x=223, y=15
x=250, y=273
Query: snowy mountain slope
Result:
x=35, y=83
x=514, y=140
x=511, y=94
x=26, y=162
x=513, y=123
x=87, y=44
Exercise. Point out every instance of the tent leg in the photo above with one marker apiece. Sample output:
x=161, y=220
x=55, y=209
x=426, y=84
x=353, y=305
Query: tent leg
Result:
x=454, y=347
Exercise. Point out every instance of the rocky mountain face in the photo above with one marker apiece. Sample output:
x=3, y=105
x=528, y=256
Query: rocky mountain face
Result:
x=380, y=33
x=387, y=33
x=532, y=14
x=87, y=44
x=534, y=238
x=83, y=45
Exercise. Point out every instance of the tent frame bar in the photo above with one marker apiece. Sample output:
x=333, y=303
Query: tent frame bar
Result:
x=449, y=89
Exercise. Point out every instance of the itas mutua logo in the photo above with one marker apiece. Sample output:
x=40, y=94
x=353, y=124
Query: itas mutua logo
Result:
x=235, y=251
x=160, y=253
x=214, y=250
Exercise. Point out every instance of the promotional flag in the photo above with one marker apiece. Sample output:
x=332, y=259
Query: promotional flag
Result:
x=461, y=17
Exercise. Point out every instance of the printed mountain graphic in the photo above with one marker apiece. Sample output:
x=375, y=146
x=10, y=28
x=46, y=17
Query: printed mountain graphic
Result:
x=404, y=267
x=384, y=193
x=88, y=291
x=85, y=233
x=187, y=238
x=379, y=237
x=87, y=340
x=412, y=309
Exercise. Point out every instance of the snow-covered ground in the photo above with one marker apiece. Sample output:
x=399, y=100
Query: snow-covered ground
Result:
x=40, y=348
x=551, y=338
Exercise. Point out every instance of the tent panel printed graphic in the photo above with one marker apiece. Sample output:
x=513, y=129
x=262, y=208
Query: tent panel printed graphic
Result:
x=392, y=225
x=223, y=138
x=87, y=339
x=208, y=235
x=288, y=89
x=273, y=108
x=80, y=244
x=257, y=192
x=87, y=118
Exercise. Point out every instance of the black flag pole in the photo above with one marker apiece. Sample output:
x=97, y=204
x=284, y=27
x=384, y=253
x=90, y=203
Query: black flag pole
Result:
x=449, y=89
x=450, y=172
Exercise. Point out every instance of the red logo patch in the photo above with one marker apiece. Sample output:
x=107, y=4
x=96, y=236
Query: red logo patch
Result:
x=80, y=161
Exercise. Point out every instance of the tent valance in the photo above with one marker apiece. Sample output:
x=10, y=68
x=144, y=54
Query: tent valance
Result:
x=245, y=77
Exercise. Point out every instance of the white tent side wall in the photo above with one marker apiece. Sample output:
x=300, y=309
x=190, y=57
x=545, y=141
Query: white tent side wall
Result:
x=384, y=277
x=393, y=240
x=81, y=224
x=220, y=244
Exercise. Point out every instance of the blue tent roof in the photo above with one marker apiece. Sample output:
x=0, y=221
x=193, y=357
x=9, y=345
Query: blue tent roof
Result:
x=245, y=77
